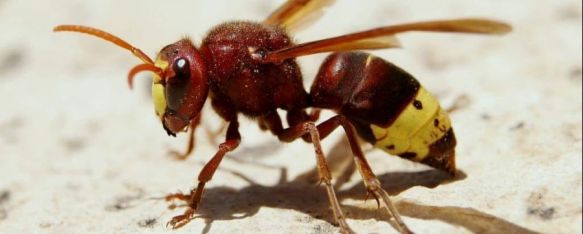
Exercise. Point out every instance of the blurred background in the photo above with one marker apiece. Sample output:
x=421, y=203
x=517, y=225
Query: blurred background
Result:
x=80, y=152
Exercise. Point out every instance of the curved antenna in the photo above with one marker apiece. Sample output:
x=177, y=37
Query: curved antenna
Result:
x=105, y=36
x=140, y=68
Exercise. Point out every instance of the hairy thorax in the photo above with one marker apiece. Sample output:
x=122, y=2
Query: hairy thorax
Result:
x=241, y=83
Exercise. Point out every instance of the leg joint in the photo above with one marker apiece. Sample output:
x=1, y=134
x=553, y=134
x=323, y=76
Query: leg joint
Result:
x=309, y=126
x=229, y=145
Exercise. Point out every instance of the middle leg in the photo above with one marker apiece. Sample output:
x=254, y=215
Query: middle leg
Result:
x=308, y=128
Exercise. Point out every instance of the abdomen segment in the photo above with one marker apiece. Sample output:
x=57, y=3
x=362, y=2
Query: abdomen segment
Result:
x=422, y=132
x=388, y=107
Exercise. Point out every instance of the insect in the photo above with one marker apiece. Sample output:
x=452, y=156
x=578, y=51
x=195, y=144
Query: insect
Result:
x=249, y=68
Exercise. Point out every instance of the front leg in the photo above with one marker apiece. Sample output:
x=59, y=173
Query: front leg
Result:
x=193, y=125
x=193, y=199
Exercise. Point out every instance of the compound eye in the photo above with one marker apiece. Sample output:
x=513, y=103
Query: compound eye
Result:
x=178, y=85
x=181, y=68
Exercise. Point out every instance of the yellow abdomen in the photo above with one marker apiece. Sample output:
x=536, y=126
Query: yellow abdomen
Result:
x=422, y=123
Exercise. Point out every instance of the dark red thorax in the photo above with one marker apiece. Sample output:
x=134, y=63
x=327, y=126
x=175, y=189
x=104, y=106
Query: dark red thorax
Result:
x=244, y=84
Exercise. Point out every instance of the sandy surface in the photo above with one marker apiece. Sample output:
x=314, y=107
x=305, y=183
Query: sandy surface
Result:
x=80, y=153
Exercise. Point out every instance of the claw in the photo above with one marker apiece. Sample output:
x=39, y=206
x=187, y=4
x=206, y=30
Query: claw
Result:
x=377, y=199
x=181, y=220
x=369, y=194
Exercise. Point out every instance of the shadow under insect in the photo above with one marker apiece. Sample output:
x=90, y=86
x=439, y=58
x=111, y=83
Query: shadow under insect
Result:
x=300, y=194
x=225, y=203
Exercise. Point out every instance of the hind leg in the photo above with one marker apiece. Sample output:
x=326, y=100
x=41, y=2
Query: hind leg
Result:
x=371, y=182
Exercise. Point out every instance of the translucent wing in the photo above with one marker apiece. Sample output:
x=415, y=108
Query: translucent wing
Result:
x=297, y=13
x=382, y=38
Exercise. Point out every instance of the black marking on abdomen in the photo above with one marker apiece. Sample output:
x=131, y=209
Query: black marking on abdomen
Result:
x=408, y=155
x=418, y=105
x=442, y=153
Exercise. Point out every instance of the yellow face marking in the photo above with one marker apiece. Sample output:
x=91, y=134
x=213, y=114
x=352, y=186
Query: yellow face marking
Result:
x=420, y=124
x=158, y=92
x=159, y=98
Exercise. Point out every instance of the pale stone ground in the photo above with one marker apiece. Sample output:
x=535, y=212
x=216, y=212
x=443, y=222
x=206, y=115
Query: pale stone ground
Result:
x=80, y=153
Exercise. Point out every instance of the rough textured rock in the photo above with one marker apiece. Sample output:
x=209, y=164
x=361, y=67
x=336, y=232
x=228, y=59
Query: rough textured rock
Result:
x=80, y=153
